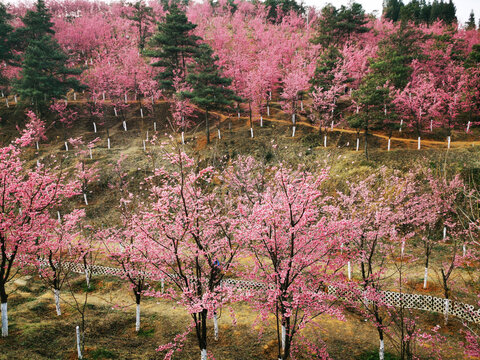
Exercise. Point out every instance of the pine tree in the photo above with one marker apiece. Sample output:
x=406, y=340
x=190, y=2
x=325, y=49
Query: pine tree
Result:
x=173, y=45
x=373, y=96
x=6, y=31
x=37, y=23
x=44, y=73
x=142, y=16
x=209, y=87
x=336, y=26
x=392, y=8
x=471, y=21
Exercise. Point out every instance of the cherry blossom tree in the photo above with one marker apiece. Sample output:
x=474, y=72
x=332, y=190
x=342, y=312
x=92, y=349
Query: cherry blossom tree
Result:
x=294, y=247
x=188, y=233
x=28, y=195
x=58, y=251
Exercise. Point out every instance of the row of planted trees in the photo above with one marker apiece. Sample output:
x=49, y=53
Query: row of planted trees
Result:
x=373, y=74
x=191, y=225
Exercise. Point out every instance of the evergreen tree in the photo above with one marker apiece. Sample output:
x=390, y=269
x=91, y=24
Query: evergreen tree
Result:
x=336, y=26
x=143, y=16
x=44, y=73
x=278, y=8
x=173, y=45
x=373, y=96
x=326, y=62
x=209, y=88
x=471, y=21
x=6, y=31
x=395, y=55
x=392, y=8
x=473, y=59
x=37, y=23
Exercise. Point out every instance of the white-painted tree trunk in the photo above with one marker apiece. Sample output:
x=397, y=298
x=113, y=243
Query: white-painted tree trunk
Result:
x=448, y=142
x=75, y=96
x=66, y=102
x=79, y=348
x=358, y=144
x=147, y=136
x=468, y=127
x=103, y=96
x=381, y=350
x=66, y=146
x=203, y=354
x=108, y=143
x=162, y=283
x=331, y=125
x=293, y=131
x=59, y=217
x=6, y=102
x=94, y=127
x=425, y=278
x=301, y=105
x=126, y=100
x=38, y=163
x=115, y=111
x=144, y=146
x=464, y=250
x=444, y=232
x=36, y=143
x=284, y=337
x=270, y=95
x=137, y=318
x=183, y=138
x=293, y=118
x=124, y=126
x=56, y=293
x=261, y=121
x=90, y=153
x=3, y=95
x=403, y=248
x=388, y=149
x=155, y=126
x=87, y=278
x=431, y=125
x=349, y=269
x=401, y=124
x=268, y=110
x=325, y=141
x=238, y=114
x=251, y=132
x=447, y=308
x=215, y=326
x=141, y=113
x=85, y=198
x=4, y=320
x=219, y=135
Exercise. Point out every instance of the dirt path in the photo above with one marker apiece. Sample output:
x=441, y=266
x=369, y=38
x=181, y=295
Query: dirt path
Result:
x=222, y=118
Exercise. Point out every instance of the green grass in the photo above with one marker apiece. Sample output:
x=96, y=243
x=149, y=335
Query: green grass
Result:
x=102, y=353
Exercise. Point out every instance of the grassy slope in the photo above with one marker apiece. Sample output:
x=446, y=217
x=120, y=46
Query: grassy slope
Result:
x=33, y=318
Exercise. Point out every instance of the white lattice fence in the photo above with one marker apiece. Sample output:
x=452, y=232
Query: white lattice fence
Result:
x=392, y=298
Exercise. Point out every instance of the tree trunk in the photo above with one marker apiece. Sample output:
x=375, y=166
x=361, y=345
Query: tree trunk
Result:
x=137, y=314
x=366, y=142
x=56, y=293
x=425, y=277
x=4, y=318
x=208, y=126
x=381, y=348
x=3, y=301
x=215, y=326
